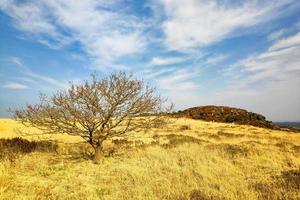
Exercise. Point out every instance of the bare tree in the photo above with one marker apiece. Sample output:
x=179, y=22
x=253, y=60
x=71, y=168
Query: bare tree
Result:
x=96, y=110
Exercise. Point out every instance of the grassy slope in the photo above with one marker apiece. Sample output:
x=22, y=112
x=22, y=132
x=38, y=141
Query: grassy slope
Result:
x=186, y=159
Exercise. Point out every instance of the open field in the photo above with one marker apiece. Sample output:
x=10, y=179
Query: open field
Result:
x=187, y=159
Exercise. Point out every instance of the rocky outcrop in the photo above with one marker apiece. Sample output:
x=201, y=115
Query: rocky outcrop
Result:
x=226, y=114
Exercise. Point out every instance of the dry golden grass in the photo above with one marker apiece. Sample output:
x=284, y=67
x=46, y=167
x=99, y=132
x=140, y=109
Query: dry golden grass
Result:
x=187, y=159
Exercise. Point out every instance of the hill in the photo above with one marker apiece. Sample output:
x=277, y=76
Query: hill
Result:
x=227, y=115
x=187, y=159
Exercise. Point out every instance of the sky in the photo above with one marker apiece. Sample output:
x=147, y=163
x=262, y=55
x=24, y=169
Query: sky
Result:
x=243, y=54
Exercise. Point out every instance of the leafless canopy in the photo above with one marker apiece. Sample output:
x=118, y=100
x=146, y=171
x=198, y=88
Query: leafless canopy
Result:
x=96, y=110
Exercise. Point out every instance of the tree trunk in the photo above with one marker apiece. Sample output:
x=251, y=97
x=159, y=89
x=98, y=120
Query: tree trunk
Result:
x=98, y=154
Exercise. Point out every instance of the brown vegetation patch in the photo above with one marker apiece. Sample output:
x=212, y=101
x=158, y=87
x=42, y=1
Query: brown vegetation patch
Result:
x=184, y=127
x=198, y=195
x=12, y=148
x=236, y=150
x=264, y=190
x=296, y=148
x=284, y=146
x=291, y=179
x=214, y=136
x=252, y=142
x=175, y=140
x=193, y=195
x=122, y=142
x=229, y=135
x=284, y=186
x=257, y=132
x=232, y=150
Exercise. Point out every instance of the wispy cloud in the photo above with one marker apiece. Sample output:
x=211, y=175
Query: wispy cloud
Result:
x=182, y=46
x=46, y=79
x=31, y=77
x=277, y=34
x=195, y=23
x=107, y=31
x=178, y=80
x=17, y=61
x=267, y=81
x=104, y=29
x=15, y=86
x=215, y=59
x=33, y=18
x=286, y=42
x=282, y=58
x=154, y=74
x=160, y=61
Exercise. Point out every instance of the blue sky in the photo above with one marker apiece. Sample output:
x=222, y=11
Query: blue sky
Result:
x=237, y=53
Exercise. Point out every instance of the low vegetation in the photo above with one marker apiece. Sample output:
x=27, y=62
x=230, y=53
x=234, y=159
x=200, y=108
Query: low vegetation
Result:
x=13, y=148
x=186, y=159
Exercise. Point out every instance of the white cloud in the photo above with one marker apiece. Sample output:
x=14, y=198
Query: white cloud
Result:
x=17, y=61
x=277, y=34
x=180, y=79
x=286, y=43
x=280, y=61
x=32, y=77
x=104, y=29
x=27, y=80
x=154, y=74
x=14, y=86
x=158, y=61
x=30, y=17
x=34, y=19
x=46, y=79
x=215, y=59
x=267, y=82
x=200, y=22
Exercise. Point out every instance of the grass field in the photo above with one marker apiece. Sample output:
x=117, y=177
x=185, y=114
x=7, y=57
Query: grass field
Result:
x=187, y=159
